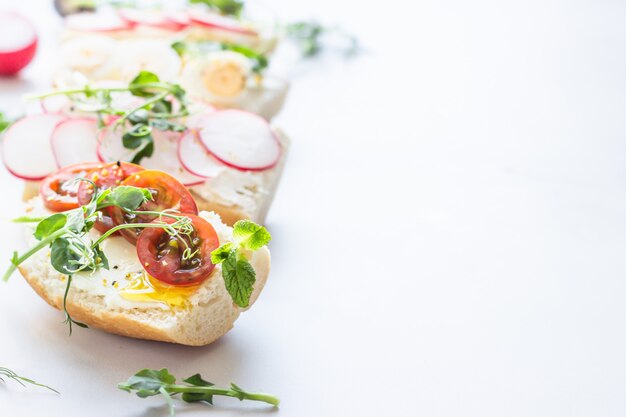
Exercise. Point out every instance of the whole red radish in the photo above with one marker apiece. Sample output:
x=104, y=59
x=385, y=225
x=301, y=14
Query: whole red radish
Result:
x=18, y=43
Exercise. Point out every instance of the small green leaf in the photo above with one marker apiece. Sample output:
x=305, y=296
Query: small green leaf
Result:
x=192, y=397
x=220, y=254
x=76, y=220
x=139, y=116
x=148, y=382
x=137, y=86
x=250, y=235
x=4, y=122
x=136, y=136
x=226, y=7
x=239, y=278
x=179, y=47
x=127, y=197
x=198, y=381
x=63, y=258
x=50, y=224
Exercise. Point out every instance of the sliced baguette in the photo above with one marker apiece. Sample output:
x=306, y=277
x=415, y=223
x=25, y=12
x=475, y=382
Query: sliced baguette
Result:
x=210, y=315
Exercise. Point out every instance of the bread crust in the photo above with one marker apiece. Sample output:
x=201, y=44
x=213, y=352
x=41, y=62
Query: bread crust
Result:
x=185, y=331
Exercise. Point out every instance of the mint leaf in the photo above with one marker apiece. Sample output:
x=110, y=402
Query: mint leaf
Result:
x=50, y=225
x=239, y=278
x=250, y=235
x=220, y=254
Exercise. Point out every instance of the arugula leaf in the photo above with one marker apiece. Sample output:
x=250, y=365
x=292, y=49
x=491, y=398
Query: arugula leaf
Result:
x=226, y=7
x=239, y=278
x=50, y=225
x=250, y=235
x=260, y=61
x=137, y=87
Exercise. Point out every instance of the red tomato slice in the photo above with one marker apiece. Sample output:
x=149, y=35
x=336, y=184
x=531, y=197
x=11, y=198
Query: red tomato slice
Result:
x=162, y=255
x=59, y=190
x=105, y=176
x=167, y=194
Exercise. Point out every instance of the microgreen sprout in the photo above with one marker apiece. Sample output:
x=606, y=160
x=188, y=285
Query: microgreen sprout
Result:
x=151, y=382
x=162, y=103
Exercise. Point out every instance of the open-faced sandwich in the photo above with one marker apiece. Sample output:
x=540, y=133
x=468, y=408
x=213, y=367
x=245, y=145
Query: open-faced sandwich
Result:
x=221, y=60
x=230, y=160
x=125, y=249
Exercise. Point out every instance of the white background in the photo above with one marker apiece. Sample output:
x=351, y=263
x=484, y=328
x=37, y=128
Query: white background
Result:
x=449, y=236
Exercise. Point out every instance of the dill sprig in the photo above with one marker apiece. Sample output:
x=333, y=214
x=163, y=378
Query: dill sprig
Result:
x=22, y=380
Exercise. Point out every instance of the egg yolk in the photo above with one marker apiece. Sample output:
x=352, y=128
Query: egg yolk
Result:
x=143, y=287
x=224, y=79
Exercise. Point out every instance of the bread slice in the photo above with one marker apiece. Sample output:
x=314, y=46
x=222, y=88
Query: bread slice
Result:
x=210, y=312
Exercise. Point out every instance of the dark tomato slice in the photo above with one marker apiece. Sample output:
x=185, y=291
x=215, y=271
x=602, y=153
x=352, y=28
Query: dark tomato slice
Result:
x=59, y=190
x=184, y=259
x=167, y=194
x=105, y=176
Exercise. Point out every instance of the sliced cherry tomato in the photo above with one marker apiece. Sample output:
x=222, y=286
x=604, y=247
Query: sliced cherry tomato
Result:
x=105, y=176
x=59, y=190
x=167, y=194
x=184, y=259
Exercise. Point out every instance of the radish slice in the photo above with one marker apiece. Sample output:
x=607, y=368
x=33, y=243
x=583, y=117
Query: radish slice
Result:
x=26, y=149
x=18, y=43
x=216, y=21
x=97, y=22
x=166, y=159
x=110, y=147
x=56, y=104
x=240, y=139
x=196, y=159
x=180, y=18
x=74, y=141
x=155, y=18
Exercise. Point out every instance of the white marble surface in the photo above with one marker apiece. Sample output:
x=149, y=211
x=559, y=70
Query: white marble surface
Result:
x=449, y=237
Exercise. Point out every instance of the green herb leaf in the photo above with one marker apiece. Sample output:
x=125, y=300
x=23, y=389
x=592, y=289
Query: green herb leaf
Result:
x=4, y=122
x=250, y=235
x=137, y=85
x=137, y=136
x=147, y=382
x=192, y=397
x=50, y=225
x=226, y=7
x=239, y=278
x=76, y=220
x=127, y=197
x=21, y=379
x=63, y=257
x=220, y=254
